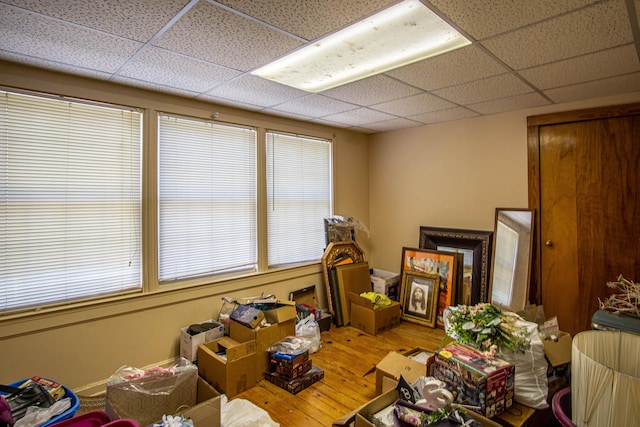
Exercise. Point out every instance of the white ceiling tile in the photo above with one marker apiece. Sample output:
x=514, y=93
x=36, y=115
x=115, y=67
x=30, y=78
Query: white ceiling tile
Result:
x=398, y=123
x=309, y=19
x=31, y=34
x=133, y=19
x=452, y=68
x=358, y=117
x=518, y=102
x=372, y=90
x=483, y=90
x=56, y=66
x=255, y=90
x=611, y=62
x=315, y=106
x=154, y=86
x=595, y=89
x=288, y=114
x=413, y=105
x=601, y=26
x=204, y=33
x=449, y=114
x=173, y=70
x=484, y=18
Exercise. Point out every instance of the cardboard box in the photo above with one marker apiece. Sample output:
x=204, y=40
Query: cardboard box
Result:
x=386, y=282
x=247, y=315
x=558, y=352
x=371, y=321
x=148, y=398
x=207, y=412
x=363, y=416
x=189, y=343
x=298, y=384
x=263, y=338
x=229, y=365
x=475, y=379
x=282, y=311
x=395, y=364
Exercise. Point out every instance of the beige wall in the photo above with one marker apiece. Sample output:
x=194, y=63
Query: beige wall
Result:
x=450, y=175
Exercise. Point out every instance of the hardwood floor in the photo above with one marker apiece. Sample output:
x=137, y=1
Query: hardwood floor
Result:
x=347, y=357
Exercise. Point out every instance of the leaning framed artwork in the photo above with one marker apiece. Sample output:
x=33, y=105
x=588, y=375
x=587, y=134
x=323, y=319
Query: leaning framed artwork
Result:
x=419, y=297
x=446, y=264
x=476, y=247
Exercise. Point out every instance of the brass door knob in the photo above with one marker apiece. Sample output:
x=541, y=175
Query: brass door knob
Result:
x=548, y=243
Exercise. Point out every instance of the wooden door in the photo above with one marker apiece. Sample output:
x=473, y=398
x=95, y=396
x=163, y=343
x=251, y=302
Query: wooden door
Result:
x=585, y=168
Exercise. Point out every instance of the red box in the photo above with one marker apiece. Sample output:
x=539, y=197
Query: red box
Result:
x=474, y=379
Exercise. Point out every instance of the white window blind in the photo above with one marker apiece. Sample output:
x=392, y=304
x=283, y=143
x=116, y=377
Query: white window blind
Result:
x=69, y=201
x=299, y=197
x=208, y=201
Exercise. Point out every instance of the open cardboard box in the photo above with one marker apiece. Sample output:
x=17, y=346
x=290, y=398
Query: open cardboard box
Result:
x=263, y=338
x=207, y=412
x=362, y=416
x=395, y=364
x=558, y=352
x=277, y=310
x=365, y=318
x=309, y=296
x=228, y=364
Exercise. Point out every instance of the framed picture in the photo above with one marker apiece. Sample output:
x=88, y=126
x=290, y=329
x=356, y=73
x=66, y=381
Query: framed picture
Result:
x=445, y=264
x=338, y=253
x=336, y=230
x=419, y=296
x=476, y=246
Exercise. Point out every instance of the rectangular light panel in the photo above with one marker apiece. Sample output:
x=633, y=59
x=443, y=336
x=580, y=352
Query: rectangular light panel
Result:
x=402, y=34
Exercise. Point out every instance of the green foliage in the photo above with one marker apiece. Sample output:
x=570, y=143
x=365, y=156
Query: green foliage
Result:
x=487, y=327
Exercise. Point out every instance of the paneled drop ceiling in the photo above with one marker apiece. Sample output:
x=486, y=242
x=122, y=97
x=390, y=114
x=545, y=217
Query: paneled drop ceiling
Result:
x=524, y=53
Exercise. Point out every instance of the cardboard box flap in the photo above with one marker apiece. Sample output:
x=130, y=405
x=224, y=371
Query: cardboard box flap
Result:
x=233, y=349
x=368, y=409
x=395, y=364
x=306, y=296
x=361, y=301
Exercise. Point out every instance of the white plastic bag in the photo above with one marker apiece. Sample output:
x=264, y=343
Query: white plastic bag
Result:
x=242, y=413
x=310, y=330
x=531, y=386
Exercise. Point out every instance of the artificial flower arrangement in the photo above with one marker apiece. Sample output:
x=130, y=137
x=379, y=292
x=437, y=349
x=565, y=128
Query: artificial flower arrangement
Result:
x=486, y=327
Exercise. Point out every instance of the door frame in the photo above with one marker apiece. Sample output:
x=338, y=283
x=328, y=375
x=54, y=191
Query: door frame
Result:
x=534, y=123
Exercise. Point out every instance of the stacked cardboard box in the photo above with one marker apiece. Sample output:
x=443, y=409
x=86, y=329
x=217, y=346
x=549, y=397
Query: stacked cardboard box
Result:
x=293, y=371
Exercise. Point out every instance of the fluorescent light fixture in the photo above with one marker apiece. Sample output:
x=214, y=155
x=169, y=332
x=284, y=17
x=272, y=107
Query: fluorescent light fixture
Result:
x=402, y=34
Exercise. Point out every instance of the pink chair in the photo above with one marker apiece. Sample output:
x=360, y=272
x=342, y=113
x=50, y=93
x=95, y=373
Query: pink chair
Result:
x=561, y=407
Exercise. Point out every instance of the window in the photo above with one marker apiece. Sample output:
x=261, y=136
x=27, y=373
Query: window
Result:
x=207, y=198
x=70, y=198
x=298, y=197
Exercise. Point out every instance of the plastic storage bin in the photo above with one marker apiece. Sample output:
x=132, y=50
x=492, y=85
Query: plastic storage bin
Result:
x=95, y=419
x=75, y=405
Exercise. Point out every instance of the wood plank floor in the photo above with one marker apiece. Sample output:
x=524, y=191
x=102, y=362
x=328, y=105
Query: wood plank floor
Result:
x=347, y=357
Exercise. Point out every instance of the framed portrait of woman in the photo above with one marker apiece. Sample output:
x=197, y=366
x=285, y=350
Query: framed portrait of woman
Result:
x=419, y=297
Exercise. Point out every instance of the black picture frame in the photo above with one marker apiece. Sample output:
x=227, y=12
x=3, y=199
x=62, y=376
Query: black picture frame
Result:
x=479, y=242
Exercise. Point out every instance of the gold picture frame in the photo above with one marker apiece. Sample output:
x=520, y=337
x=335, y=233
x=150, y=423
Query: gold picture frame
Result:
x=419, y=297
x=338, y=253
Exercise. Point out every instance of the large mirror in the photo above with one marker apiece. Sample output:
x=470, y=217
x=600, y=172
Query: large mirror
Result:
x=512, y=250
